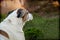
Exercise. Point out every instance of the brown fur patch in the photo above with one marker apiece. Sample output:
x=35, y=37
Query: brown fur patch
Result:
x=4, y=33
x=24, y=17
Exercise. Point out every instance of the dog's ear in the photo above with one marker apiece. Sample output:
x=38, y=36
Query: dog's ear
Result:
x=19, y=13
x=10, y=12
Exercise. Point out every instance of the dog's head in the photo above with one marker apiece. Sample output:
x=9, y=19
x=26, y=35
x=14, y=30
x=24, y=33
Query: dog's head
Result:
x=24, y=14
x=21, y=15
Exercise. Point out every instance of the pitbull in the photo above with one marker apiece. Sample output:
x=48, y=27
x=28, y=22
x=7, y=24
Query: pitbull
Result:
x=11, y=28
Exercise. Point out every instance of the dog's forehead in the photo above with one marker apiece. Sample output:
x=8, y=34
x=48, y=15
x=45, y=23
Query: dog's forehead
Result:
x=22, y=10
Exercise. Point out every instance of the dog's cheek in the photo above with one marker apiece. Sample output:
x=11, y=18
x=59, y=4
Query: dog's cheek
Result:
x=24, y=18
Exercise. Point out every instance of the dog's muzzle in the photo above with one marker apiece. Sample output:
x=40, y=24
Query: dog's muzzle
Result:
x=29, y=17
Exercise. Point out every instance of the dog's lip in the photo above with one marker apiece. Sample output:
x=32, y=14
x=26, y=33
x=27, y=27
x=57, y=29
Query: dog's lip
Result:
x=30, y=16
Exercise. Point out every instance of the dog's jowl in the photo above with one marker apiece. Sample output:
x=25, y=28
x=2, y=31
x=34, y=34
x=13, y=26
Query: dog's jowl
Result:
x=11, y=27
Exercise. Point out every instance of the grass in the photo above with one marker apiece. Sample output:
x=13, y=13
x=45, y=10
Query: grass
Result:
x=2, y=17
x=49, y=26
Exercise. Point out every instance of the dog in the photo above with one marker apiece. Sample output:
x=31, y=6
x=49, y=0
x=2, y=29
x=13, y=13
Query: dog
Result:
x=11, y=28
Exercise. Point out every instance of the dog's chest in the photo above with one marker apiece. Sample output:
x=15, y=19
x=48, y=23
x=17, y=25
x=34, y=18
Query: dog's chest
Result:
x=17, y=34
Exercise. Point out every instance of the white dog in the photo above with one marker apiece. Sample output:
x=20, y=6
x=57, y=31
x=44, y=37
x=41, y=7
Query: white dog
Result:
x=11, y=27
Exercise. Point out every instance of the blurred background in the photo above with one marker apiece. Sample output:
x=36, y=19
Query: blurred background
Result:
x=45, y=24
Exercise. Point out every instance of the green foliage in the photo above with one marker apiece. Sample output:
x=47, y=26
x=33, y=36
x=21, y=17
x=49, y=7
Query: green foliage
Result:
x=33, y=34
x=49, y=27
x=2, y=16
x=41, y=27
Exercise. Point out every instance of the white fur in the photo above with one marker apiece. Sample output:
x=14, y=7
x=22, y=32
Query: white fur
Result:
x=13, y=26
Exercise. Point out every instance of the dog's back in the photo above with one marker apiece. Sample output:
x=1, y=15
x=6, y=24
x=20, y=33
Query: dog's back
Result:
x=9, y=31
